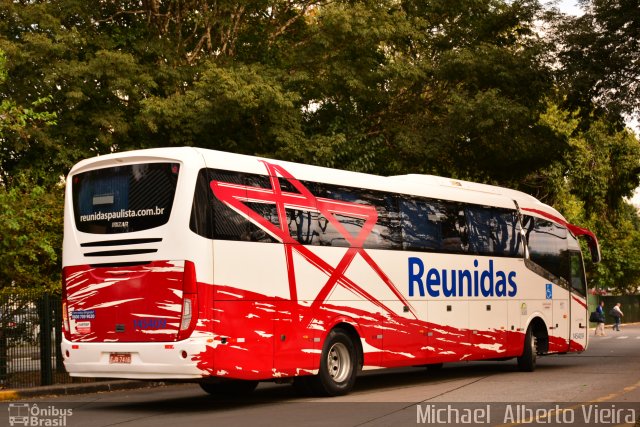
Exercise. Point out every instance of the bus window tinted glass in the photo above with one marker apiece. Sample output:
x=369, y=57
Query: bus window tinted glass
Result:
x=577, y=273
x=547, y=244
x=432, y=225
x=212, y=218
x=124, y=198
x=313, y=228
x=363, y=206
x=493, y=231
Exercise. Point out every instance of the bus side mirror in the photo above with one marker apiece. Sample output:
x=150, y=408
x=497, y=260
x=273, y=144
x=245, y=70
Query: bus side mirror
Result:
x=594, y=248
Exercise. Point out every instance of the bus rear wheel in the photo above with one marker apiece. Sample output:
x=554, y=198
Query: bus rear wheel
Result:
x=527, y=361
x=338, y=365
x=229, y=387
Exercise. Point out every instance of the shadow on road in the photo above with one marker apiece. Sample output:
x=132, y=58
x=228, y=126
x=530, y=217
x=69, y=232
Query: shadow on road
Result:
x=269, y=394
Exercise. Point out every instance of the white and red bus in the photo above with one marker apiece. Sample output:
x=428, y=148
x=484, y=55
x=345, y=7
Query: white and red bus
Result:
x=199, y=265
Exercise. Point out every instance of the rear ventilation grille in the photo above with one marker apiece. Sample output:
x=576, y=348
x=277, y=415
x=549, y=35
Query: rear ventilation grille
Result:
x=120, y=242
x=121, y=252
x=119, y=264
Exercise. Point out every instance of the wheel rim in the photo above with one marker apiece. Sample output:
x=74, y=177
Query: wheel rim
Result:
x=338, y=362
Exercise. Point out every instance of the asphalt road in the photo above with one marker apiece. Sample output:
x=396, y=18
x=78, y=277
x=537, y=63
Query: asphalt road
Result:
x=598, y=387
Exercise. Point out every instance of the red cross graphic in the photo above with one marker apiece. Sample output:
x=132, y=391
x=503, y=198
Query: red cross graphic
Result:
x=236, y=196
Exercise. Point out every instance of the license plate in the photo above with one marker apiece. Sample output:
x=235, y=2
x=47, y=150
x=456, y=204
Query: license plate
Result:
x=120, y=358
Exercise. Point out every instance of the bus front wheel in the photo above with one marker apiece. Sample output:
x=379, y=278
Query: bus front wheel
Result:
x=338, y=363
x=527, y=362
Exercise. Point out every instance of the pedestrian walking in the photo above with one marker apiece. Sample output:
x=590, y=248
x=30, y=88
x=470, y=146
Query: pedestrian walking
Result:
x=600, y=319
x=616, y=313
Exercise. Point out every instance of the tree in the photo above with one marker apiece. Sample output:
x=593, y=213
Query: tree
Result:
x=30, y=236
x=461, y=89
x=31, y=215
x=599, y=52
x=451, y=88
x=589, y=186
x=18, y=120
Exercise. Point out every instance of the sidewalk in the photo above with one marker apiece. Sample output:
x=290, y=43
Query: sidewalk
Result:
x=69, y=389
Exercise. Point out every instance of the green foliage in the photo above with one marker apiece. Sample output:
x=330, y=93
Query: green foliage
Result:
x=599, y=52
x=31, y=235
x=590, y=186
x=241, y=108
x=468, y=89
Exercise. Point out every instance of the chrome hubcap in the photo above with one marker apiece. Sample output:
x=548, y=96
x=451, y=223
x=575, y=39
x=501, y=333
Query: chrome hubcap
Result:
x=338, y=362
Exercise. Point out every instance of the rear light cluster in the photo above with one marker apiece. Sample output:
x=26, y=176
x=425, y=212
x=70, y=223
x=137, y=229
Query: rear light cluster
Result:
x=65, y=313
x=189, y=301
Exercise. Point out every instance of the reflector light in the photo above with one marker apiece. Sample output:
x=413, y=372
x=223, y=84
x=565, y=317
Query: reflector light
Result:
x=186, y=314
x=189, y=301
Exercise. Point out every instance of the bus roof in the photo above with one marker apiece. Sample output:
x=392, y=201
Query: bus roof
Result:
x=415, y=184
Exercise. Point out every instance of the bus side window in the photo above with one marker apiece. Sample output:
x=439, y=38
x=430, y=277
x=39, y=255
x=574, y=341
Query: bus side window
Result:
x=481, y=226
x=493, y=231
x=212, y=218
x=201, y=221
x=421, y=225
x=577, y=272
x=305, y=226
x=386, y=231
x=455, y=237
x=227, y=223
x=548, y=246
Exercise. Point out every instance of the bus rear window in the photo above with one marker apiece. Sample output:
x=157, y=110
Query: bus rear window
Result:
x=124, y=199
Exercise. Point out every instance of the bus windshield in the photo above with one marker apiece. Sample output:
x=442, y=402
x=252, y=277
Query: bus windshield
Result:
x=124, y=198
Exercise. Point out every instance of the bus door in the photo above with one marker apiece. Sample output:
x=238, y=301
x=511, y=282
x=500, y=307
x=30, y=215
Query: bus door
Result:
x=578, y=303
x=561, y=317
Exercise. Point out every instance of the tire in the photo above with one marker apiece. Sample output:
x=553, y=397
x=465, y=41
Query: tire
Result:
x=338, y=366
x=527, y=362
x=229, y=387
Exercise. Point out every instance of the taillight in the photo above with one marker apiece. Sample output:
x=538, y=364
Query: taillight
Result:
x=186, y=313
x=65, y=313
x=189, y=301
x=189, y=285
x=65, y=318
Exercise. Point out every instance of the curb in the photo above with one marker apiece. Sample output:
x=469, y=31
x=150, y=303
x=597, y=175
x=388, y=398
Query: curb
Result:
x=70, y=389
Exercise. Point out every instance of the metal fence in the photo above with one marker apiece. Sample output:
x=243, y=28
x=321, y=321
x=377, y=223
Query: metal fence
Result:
x=30, y=334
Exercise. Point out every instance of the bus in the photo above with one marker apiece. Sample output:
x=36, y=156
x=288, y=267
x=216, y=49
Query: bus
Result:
x=196, y=265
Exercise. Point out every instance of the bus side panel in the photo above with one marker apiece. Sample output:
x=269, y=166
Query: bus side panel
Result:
x=515, y=336
x=297, y=342
x=579, y=325
x=560, y=321
x=204, y=328
x=488, y=335
x=243, y=334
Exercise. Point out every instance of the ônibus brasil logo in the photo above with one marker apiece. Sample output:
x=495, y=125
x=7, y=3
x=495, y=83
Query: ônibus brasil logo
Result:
x=27, y=414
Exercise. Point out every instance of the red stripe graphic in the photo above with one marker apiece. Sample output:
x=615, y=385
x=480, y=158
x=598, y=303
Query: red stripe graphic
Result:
x=236, y=196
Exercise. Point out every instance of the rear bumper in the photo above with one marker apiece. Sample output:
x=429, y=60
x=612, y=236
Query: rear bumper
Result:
x=167, y=360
